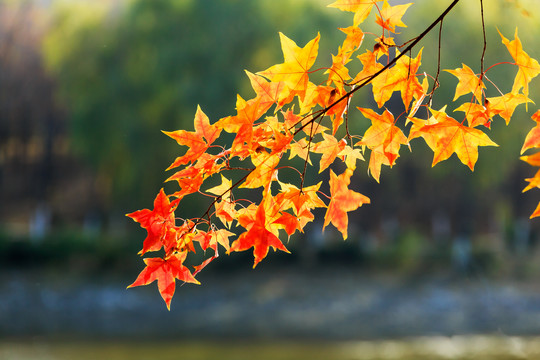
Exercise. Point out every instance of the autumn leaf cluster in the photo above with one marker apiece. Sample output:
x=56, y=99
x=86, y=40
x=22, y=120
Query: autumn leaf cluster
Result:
x=291, y=116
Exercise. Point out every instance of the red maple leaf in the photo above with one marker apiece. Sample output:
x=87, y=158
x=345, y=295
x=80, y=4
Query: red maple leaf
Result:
x=258, y=237
x=165, y=271
x=157, y=222
x=198, y=141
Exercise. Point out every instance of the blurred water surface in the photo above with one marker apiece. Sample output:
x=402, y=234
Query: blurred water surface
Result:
x=423, y=348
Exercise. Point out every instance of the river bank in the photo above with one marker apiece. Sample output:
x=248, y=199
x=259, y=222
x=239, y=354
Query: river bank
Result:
x=270, y=303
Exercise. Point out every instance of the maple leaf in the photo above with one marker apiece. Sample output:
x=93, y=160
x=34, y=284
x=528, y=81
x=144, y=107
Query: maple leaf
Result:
x=157, y=222
x=190, y=179
x=534, y=182
x=269, y=93
x=289, y=222
x=226, y=211
x=377, y=159
x=533, y=159
x=383, y=132
x=300, y=148
x=299, y=199
x=468, y=83
x=382, y=45
x=528, y=67
x=370, y=66
x=223, y=190
x=401, y=77
x=476, y=114
x=445, y=136
x=350, y=156
x=315, y=94
x=242, y=124
x=165, y=271
x=221, y=237
x=212, y=238
x=505, y=105
x=536, y=212
x=390, y=16
x=342, y=200
x=330, y=147
x=533, y=137
x=309, y=126
x=360, y=8
x=198, y=141
x=294, y=70
x=354, y=38
x=264, y=172
x=338, y=72
x=325, y=96
x=258, y=237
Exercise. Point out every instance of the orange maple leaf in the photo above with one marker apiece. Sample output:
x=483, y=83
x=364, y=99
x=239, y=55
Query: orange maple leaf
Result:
x=377, y=158
x=533, y=159
x=528, y=67
x=288, y=222
x=354, y=38
x=505, y=105
x=476, y=114
x=370, y=66
x=383, y=132
x=536, y=212
x=338, y=72
x=192, y=177
x=342, y=200
x=198, y=141
x=299, y=199
x=265, y=170
x=446, y=136
x=300, y=148
x=212, y=238
x=330, y=147
x=401, y=77
x=258, y=237
x=534, y=182
x=468, y=83
x=242, y=124
x=269, y=93
x=294, y=70
x=533, y=137
x=225, y=208
x=165, y=271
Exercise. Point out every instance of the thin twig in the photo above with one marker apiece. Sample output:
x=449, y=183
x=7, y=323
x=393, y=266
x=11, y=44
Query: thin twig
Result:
x=485, y=42
x=390, y=64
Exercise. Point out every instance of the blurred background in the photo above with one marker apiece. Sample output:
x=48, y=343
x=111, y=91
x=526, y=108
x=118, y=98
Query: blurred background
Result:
x=444, y=262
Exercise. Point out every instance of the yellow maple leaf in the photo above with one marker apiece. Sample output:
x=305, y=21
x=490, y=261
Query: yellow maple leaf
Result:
x=528, y=67
x=360, y=8
x=297, y=62
x=390, y=16
x=468, y=83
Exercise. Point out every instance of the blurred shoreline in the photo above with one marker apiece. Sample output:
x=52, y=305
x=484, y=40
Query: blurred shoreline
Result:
x=336, y=303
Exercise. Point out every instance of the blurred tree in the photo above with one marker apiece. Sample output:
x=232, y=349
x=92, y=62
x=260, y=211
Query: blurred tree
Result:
x=32, y=127
x=125, y=72
x=128, y=70
x=472, y=201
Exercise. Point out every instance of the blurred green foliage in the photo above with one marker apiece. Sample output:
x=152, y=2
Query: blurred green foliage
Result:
x=129, y=71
